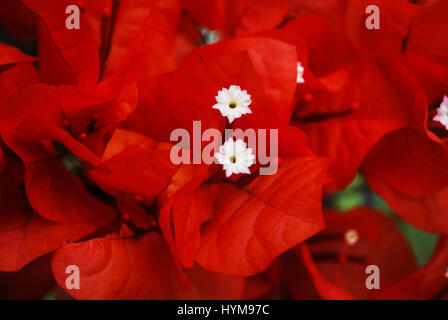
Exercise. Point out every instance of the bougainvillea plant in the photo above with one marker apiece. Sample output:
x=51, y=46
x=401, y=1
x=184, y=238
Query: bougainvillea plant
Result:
x=197, y=149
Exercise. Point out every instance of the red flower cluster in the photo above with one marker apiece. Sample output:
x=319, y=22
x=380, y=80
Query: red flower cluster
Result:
x=86, y=171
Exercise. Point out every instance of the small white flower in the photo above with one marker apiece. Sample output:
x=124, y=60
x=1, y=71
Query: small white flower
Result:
x=233, y=102
x=351, y=237
x=442, y=113
x=235, y=157
x=300, y=71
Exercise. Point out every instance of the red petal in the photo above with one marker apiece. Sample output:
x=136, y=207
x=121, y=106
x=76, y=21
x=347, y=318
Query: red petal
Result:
x=80, y=106
x=278, y=75
x=207, y=285
x=323, y=39
x=240, y=17
x=325, y=288
x=429, y=282
x=16, y=78
x=121, y=139
x=187, y=213
x=388, y=98
x=59, y=196
x=254, y=16
x=379, y=240
x=134, y=164
x=209, y=14
x=66, y=56
x=188, y=95
x=426, y=212
x=10, y=55
x=395, y=21
x=428, y=35
x=132, y=268
x=144, y=36
x=432, y=76
x=251, y=227
x=33, y=117
x=412, y=161
x=25, y=235
x=31, y=282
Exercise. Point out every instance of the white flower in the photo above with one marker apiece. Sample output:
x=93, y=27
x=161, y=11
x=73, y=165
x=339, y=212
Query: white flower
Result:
x=351, y=236
x=300, y=71
x=442, y=113
x=235, y=157
x=233, y=102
